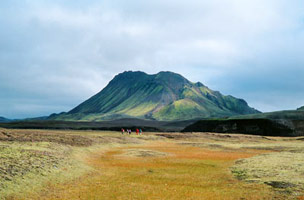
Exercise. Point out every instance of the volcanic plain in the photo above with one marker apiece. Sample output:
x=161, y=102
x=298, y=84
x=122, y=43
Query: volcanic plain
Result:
x=65, y=164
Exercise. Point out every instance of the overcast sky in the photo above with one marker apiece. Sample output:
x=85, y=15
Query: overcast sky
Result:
x=54, y=54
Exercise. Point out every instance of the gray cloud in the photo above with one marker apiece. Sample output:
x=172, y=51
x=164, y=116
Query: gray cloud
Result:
x=55, y=54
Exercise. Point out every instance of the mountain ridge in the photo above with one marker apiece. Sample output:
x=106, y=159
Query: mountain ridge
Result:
x=162, y=96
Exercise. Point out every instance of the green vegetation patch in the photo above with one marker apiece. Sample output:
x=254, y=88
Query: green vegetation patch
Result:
x=240, y=174
x=18, y=162
x=281, y=170
x=24, y=165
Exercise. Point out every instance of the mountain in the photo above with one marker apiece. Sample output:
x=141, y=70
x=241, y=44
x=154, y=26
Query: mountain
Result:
x=3, y=119
x=301, y=108
x=163, y=96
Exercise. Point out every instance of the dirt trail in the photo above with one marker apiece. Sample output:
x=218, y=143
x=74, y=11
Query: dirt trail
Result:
x=160, y=170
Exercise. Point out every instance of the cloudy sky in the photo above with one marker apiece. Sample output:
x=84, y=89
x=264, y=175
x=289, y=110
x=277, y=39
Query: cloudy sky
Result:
x=54, y=54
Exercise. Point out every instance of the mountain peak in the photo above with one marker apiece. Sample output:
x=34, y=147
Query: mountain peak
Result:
x=132, y=73
x=170, y=75
x=161, y=74
x=171, y=79
x=129, y=74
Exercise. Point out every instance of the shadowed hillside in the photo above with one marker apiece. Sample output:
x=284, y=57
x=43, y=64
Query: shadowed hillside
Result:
x=162, y=96
x=285, y=114
x=280, y=123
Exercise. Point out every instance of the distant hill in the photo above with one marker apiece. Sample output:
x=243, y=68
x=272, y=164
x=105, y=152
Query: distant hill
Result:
x=162, y=96
x=285, y=114
x=35, y=118
x=301, y=108
x=280, y=123
x=3, y=119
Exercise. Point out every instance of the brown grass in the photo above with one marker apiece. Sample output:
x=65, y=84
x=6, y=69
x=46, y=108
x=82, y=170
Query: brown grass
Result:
x=44, y=136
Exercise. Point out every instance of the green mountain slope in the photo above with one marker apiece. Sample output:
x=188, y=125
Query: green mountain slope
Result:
x=301, y=108
x=162, y=96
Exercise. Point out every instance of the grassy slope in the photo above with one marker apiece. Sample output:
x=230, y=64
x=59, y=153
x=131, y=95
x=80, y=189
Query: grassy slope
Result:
x=180, y=108
x=30, y=159
x=202, y=103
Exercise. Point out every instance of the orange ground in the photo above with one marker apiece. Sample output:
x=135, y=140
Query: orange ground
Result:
x=185, y=173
